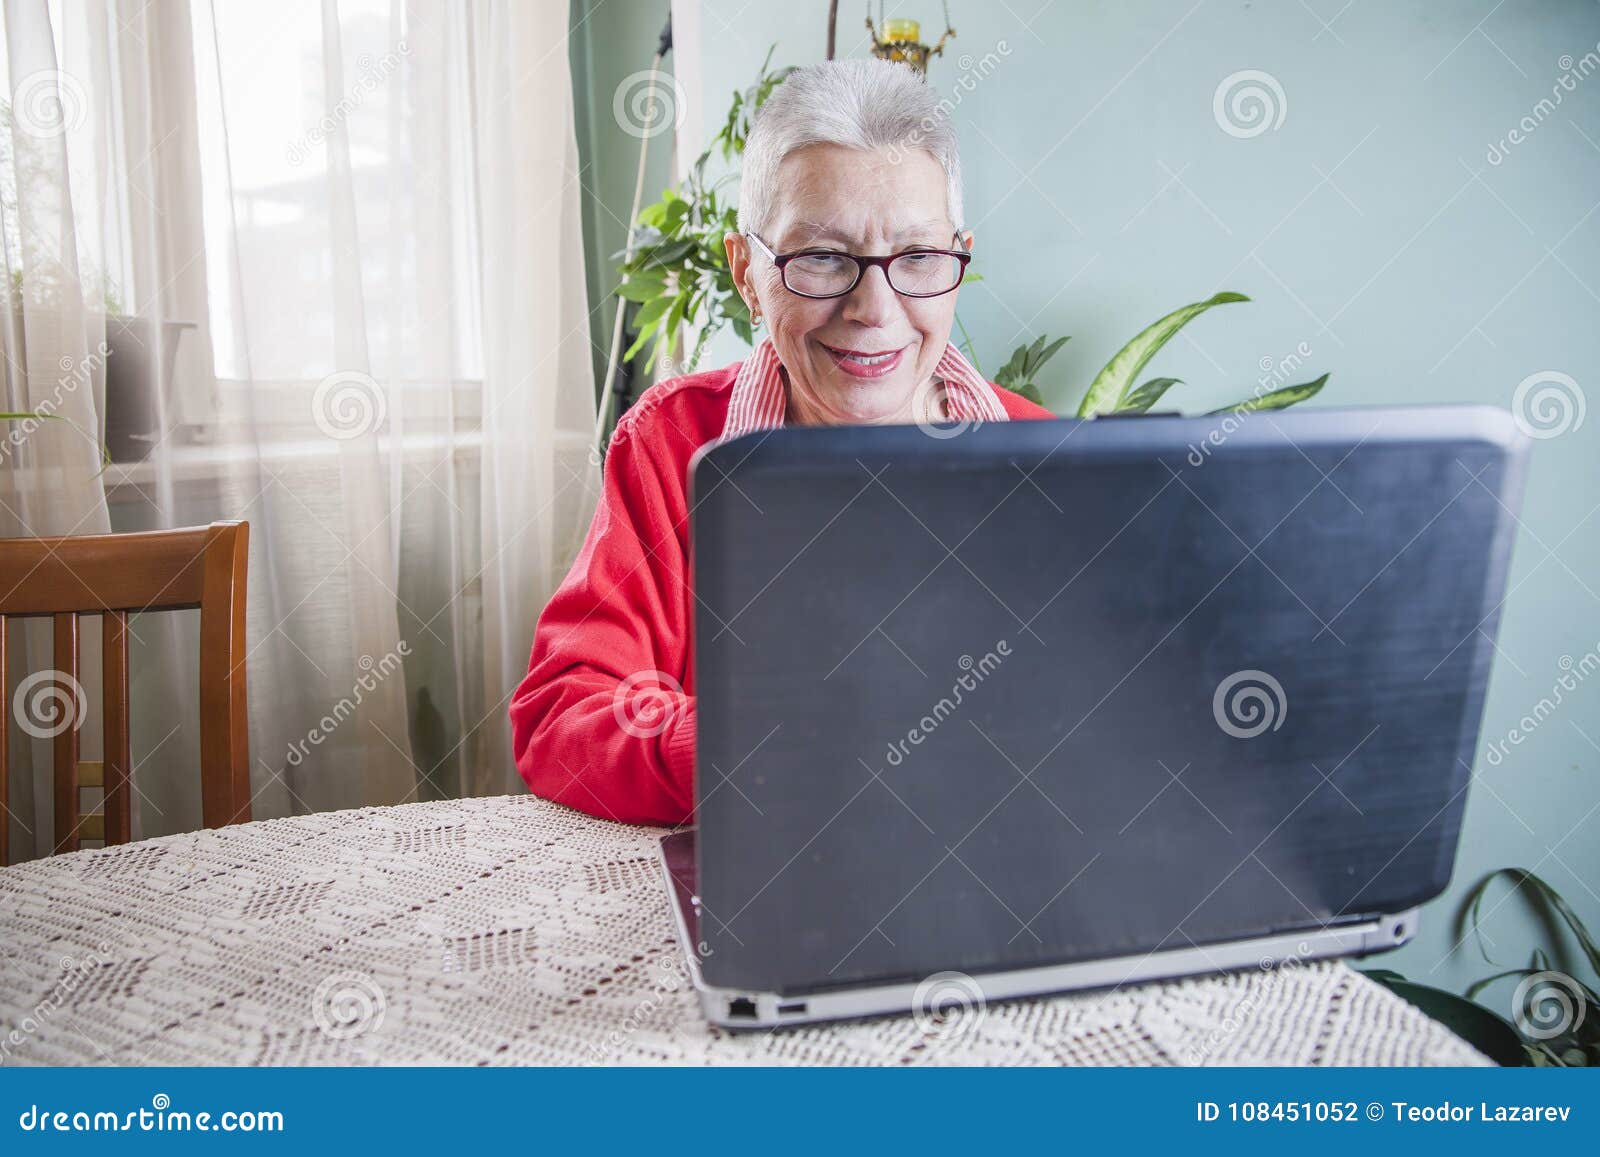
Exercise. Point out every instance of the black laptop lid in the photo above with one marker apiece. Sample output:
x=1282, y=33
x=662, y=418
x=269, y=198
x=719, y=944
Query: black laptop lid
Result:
x=1048, y=691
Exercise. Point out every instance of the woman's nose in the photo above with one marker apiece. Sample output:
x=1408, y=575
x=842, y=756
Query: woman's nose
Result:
x=872, y=302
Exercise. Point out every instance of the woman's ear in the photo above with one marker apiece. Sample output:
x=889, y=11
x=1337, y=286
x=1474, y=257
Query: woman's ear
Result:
x=738, y=250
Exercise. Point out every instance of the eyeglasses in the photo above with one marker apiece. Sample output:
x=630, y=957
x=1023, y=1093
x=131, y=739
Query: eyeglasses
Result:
x=824, y=273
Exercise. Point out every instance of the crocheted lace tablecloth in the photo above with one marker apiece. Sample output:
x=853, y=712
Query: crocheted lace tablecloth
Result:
x=515, y=931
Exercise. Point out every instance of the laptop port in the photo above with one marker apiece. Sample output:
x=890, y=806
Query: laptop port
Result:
x=741, y=1008
x=795, y=1009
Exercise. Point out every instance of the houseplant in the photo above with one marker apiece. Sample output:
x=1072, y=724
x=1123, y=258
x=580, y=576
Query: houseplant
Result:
x=1112, y=391
x=677, y=270
x=131, y=410
x=1555, y=1015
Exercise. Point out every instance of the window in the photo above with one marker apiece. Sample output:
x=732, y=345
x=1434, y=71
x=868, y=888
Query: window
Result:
x=315, y=269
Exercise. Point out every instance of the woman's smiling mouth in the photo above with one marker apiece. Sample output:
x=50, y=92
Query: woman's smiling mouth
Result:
x=865, y=363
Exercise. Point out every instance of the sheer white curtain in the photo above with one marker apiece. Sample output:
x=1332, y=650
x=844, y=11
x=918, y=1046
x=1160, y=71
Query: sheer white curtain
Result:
x=368, y=213
x=61, y=267
x=54, y=258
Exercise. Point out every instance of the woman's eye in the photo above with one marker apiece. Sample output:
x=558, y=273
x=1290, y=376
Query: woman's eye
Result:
x=820, y=261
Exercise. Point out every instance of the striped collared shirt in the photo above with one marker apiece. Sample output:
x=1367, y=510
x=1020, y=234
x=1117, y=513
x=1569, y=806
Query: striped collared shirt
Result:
x=759, y=400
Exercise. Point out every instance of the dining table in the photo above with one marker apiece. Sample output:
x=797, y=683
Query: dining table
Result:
x=515, y=931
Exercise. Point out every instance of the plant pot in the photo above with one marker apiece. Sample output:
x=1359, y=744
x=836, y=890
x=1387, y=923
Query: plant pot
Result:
x=133, y=412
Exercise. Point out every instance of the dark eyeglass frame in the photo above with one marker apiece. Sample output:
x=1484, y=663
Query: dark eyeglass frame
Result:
x=863, y=263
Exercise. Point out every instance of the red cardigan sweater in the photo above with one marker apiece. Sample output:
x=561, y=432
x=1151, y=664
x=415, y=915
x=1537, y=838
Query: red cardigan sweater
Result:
x=604, y=721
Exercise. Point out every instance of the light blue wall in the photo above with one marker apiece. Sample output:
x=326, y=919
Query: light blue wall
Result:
x=1369, y=225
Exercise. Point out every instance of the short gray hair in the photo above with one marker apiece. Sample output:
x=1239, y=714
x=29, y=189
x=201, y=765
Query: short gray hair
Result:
x=861, y=104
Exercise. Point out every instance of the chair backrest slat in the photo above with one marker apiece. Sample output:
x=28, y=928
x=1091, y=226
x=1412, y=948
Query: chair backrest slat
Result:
x=61, y=711
x=5, y=747
x=118, y=760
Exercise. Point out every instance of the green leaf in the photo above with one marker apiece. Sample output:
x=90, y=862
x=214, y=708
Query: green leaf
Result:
x=671, y=253
x=1381, y=975
x=1011, y=374
x=692, y=305
x=638, y=344
x=675, y=319
x=642, y=287
x=652, y=311
x=1277, y=399
x=1031, y=392
x=1478, y=986
x=648, y=320
x=1546, y=902
x=1569, y=1047
x=1579, y=1045
x=643, y=240
x=1037, y=356
x=699, y=346
x=1145, y=396
x=26, y=415
x=1111, y=384
x=1025, y=363
x=677, y=210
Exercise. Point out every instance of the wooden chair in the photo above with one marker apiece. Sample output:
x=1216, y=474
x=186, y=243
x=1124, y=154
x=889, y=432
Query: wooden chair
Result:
x=114, y=575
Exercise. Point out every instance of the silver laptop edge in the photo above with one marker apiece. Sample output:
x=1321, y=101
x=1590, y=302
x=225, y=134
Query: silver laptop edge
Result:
x=737, y=1008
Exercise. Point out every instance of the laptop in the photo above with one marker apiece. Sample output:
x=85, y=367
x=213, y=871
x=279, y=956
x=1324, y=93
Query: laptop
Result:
x=1038, y=706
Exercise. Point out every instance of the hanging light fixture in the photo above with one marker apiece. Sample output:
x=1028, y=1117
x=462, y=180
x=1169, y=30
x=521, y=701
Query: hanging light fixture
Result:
x=901, y=39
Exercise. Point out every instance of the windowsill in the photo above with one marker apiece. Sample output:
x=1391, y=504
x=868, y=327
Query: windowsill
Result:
x=202, y=465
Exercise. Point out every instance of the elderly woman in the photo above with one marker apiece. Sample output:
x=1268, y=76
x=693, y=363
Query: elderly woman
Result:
x=849, y=250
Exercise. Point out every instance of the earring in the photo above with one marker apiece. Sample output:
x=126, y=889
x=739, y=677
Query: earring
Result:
x=755, y=317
